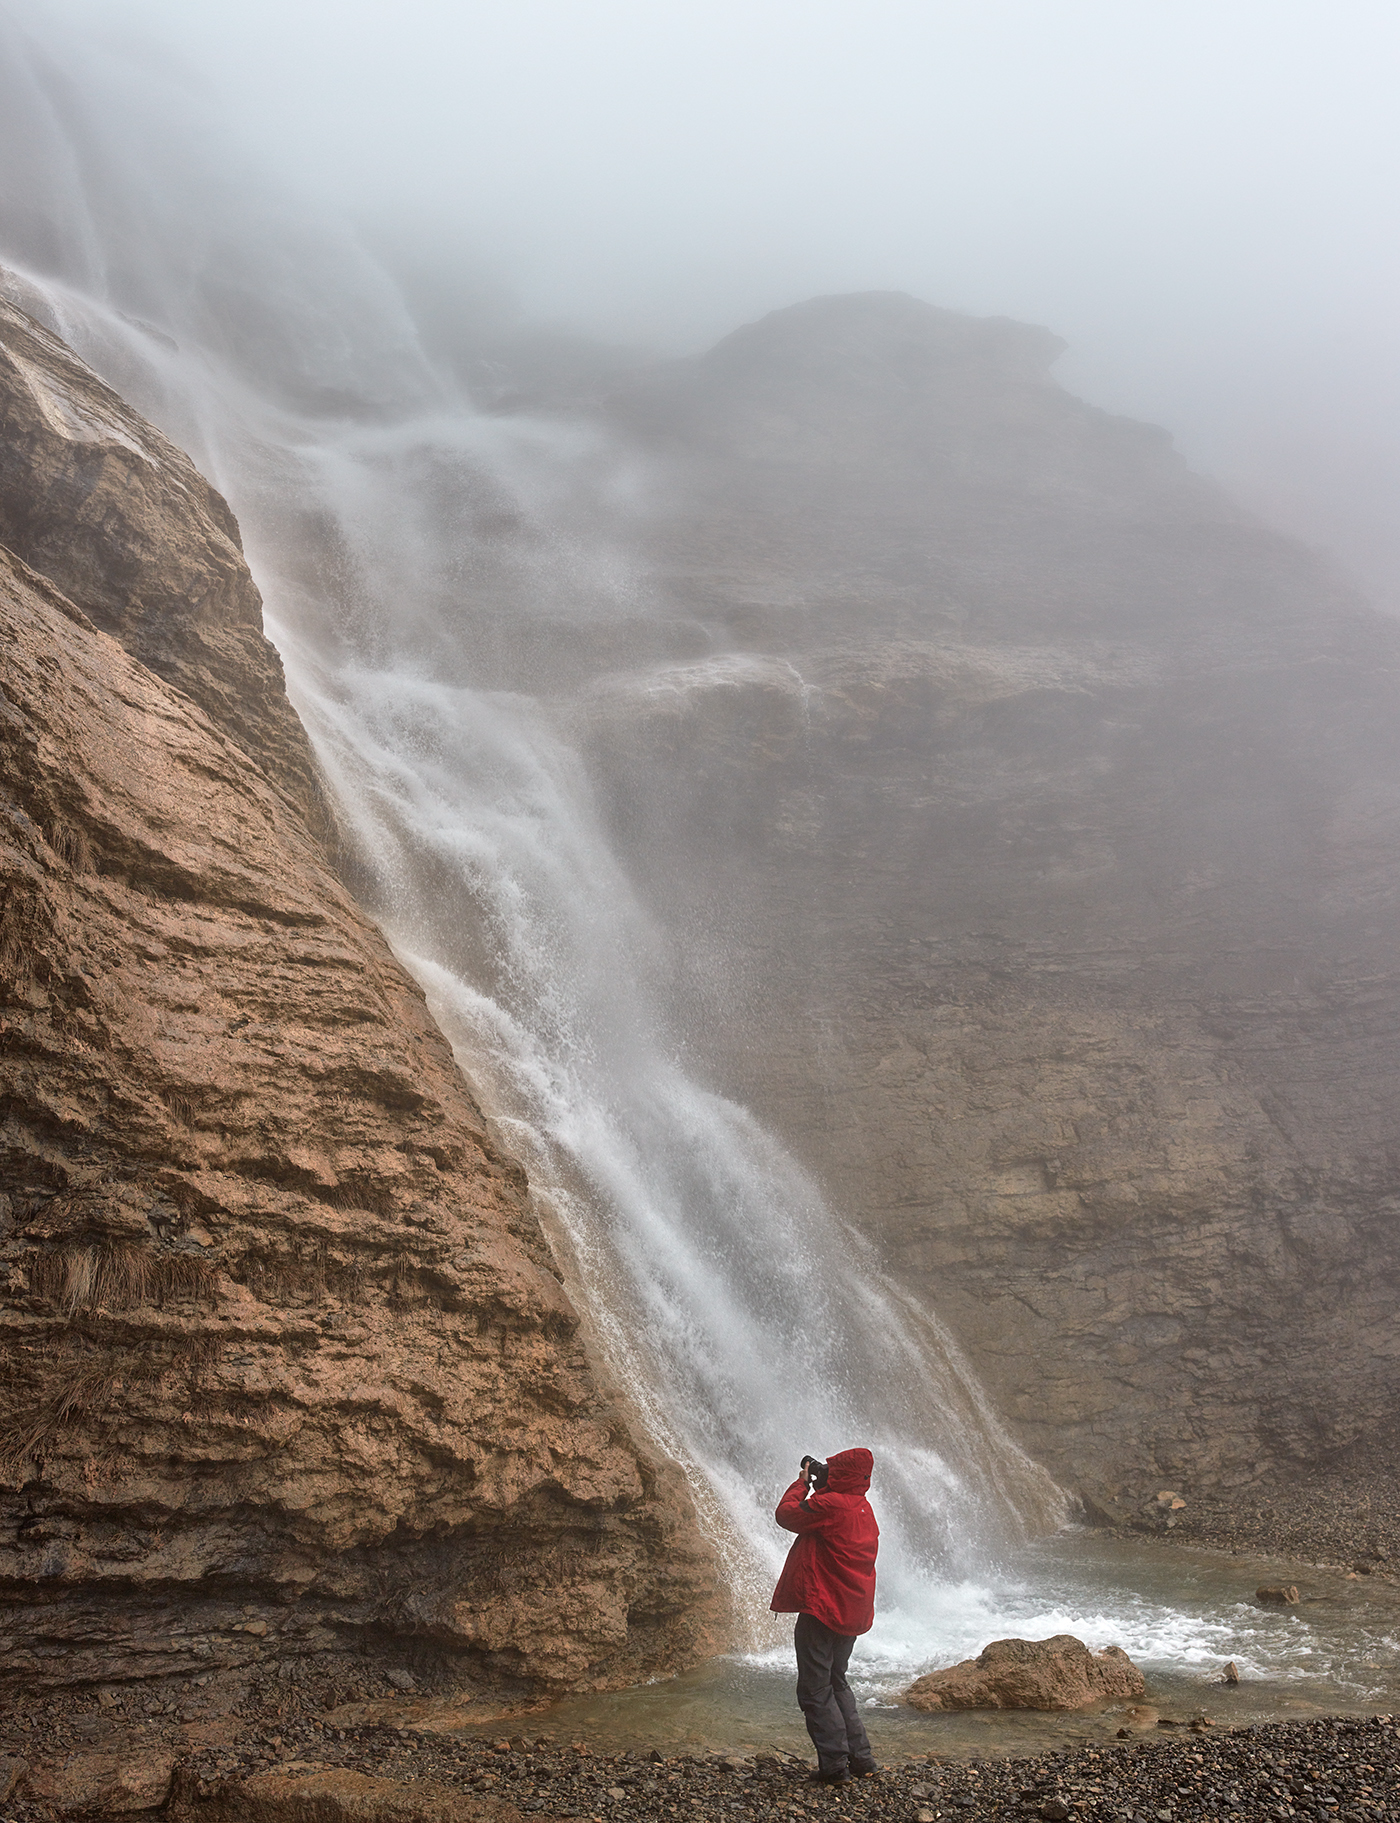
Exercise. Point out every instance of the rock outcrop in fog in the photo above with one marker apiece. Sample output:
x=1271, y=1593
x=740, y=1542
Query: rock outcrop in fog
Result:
x=291, y=1388
x=1028, y=817
x=95, y=499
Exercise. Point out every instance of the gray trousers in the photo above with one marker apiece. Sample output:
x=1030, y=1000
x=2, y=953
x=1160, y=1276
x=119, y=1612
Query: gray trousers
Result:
x=824, y=1696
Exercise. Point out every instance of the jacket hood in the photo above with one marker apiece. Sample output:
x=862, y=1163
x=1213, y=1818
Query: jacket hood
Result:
x=848, y=1471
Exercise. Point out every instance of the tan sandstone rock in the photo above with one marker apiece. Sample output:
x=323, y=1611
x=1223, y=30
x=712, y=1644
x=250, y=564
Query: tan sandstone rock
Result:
x=335, y=1795
x=1058, y=1673
x=289, y=1376
x=97, y=500
x=106, y=1784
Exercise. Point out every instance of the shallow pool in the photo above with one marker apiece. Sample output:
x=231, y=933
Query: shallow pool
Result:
x=1179, y=1613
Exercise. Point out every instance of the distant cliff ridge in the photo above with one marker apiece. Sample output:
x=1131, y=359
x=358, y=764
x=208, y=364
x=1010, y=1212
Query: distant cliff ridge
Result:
x=290, y=1387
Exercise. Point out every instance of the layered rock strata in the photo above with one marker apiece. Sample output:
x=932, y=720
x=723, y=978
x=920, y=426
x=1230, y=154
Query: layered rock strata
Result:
x=290, y=1384
x=97, y=500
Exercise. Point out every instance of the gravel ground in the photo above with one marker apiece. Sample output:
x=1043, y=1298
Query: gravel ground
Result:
x=1347, y=1514
x=1344, y=1768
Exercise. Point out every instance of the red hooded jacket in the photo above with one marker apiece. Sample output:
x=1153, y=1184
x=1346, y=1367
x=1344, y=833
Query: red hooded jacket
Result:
x=830, y=1569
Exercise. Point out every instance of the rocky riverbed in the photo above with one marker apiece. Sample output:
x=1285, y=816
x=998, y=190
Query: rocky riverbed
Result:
x=1344, y=1513
x=1347, y=1768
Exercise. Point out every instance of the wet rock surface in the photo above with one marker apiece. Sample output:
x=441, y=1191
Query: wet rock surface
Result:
x=1347, y=1768
x=288, y=1376
x=97, y=500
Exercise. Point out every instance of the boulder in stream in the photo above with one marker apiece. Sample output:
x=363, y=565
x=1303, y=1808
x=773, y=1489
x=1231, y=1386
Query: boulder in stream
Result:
x=1058, y=1673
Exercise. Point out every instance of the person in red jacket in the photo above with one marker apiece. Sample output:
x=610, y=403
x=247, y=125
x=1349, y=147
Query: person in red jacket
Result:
x=828, y=1581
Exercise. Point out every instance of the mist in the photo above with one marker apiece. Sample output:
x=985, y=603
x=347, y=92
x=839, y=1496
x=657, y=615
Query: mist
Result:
x=1199, y=199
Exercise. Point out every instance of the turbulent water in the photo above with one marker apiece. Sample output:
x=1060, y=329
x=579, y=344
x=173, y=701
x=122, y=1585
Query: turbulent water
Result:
x=432, y=572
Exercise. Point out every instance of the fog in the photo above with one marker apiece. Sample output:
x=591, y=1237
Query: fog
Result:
x=1200, y=198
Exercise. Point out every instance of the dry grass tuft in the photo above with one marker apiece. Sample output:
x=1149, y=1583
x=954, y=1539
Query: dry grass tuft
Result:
x=293, y=1278
x=70, y=845
x=354, y=1192
x=118, y=1275
x=180, y=1106
x=75, y=1383
x=76, y=1389
x=25, y=921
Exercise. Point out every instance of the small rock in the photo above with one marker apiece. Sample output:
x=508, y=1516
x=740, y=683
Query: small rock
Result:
x=1277, y=1594
x=1102, y=1509
x=616, y=1793
x=1231, y=1673
x=923, y=1816
x=401, y=1679
x=1054, y=1810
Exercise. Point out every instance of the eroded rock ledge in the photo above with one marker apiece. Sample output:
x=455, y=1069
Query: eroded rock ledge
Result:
x=290, y=1387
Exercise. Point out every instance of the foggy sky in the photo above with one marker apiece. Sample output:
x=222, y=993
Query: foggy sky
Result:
x=1202, y=198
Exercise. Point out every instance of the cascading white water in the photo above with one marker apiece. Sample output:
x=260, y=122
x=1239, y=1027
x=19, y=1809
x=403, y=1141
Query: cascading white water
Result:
x=747, y=1322
x=739, y=1312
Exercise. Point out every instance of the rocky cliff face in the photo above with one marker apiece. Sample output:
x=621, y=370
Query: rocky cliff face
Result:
x=1031, y=830
x=102, y=504
x=291, y=1390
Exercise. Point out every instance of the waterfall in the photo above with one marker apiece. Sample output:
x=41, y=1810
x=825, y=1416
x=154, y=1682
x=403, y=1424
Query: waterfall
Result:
x=416, y=554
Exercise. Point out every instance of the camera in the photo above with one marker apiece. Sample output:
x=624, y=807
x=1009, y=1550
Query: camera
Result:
x=813, y=1472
